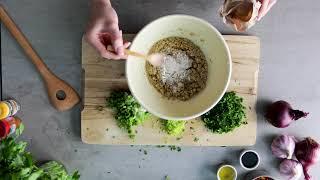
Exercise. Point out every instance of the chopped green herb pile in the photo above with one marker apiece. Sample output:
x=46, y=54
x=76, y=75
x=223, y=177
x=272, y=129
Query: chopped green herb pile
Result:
x=128, y=112
x=227, y=115
x=17, y=164
x=173, y=127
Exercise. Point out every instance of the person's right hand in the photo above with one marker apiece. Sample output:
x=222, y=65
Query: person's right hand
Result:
x=266, y=5
x=103, y=30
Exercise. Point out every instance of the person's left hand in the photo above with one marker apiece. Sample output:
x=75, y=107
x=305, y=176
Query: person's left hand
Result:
x=265, y=7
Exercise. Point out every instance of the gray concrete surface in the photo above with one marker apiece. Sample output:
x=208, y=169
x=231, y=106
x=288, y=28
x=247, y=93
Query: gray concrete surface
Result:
x=289, y=70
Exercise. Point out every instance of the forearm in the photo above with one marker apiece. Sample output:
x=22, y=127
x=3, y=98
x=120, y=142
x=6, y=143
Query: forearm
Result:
x=106, y=2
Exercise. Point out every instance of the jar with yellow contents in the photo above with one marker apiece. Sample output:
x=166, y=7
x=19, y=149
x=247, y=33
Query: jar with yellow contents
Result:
x=8, y=108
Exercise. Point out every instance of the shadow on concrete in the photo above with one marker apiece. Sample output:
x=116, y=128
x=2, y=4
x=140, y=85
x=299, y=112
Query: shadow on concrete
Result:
x=261, y=106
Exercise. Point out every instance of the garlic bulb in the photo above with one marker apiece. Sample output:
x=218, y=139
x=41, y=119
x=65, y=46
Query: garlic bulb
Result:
x=283, y=146
x=291, y=169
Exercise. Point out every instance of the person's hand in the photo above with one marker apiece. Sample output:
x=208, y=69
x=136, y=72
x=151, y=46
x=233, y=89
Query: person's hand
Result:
x=266, y=5
x=103, y=30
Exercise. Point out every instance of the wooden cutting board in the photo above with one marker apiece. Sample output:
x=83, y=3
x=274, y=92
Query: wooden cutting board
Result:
x=101, y=76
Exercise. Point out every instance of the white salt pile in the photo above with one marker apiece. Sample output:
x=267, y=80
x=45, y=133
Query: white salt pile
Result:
x=174, y=69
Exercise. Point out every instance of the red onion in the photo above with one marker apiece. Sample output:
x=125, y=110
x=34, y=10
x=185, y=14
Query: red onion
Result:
x=290, y=168
x=307, y=152
x=280, y=114
x=283, y=146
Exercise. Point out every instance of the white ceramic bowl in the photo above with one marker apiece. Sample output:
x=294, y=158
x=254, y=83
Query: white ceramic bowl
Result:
x=213, y=46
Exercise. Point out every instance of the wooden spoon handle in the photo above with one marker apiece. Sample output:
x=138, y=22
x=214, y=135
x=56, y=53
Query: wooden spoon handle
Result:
x=61, y=95
x=134, y=53
x=128, y=52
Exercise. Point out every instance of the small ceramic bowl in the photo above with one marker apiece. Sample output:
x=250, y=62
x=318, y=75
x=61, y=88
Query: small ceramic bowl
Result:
x=248, y=151
x=223, y=166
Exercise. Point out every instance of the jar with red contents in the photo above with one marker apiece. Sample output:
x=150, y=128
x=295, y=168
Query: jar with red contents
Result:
x=8, y=126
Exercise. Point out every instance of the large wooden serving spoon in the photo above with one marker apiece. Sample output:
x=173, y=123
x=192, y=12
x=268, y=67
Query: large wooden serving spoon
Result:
x=61, y=94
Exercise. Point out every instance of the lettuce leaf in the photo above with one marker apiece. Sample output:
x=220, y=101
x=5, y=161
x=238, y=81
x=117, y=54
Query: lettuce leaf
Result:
x=18, y=164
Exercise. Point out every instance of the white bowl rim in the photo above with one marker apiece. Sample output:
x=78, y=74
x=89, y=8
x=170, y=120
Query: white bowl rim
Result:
x=227, y=165
x=244, y=167
x=229, y=69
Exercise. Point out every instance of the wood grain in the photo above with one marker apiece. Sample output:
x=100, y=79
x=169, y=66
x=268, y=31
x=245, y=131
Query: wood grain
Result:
x=55, y=85
x=102, y=76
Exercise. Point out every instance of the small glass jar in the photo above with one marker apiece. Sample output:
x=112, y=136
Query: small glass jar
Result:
x=9, y=126
x=8, y=108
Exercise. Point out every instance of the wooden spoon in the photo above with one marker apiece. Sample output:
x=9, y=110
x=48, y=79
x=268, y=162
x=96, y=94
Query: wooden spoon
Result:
x=155, y=59
x=61, y=94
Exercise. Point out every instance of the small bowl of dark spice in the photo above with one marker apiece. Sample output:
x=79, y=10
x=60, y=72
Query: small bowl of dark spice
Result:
x=249, y=159
x=195, y=72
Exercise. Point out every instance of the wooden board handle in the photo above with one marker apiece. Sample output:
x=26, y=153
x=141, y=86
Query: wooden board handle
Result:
x=61, y=94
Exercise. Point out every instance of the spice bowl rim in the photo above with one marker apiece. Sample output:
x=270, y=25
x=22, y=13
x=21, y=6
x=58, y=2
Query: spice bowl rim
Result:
x=240, y=159
x=256, y=174
x=227, y=165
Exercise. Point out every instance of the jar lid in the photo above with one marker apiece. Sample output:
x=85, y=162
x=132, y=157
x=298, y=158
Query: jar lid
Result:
x=4, y=128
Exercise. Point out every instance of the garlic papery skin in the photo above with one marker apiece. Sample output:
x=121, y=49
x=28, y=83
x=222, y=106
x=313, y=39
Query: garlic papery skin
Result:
x=291, y=169
x=283, y=146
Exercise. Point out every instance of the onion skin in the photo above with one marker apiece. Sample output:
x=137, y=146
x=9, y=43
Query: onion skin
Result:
x=308, y=153
x=280, y=114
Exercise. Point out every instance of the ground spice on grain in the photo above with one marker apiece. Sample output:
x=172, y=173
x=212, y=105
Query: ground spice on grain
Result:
x=184, y=71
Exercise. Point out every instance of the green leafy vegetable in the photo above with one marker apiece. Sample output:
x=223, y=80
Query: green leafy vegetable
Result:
x=19, y=130
x=128, y=112
x=227, y=115
x=173, y=127
x=56, y=171
x=17, y=164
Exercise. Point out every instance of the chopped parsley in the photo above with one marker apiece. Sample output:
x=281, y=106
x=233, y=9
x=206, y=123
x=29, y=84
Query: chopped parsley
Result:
x=173, y=127
x=227, y=115
x=128, y=112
